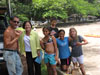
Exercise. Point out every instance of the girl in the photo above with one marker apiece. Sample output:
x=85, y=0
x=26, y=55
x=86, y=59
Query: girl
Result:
x=64, y=51
x=29, y=44
x=48, y=43
x=76, y=44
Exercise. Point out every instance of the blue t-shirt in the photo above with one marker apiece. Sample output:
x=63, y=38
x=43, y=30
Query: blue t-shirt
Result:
x=63, y=47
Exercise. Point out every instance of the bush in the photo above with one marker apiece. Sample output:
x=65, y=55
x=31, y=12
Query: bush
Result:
x=44, y=69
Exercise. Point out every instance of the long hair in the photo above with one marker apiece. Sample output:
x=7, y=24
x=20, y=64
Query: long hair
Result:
x=76, y=36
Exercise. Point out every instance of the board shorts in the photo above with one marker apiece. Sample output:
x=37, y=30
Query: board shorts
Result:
x=49, y=58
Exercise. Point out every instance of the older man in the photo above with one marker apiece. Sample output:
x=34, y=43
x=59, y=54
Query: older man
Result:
x=11, y=56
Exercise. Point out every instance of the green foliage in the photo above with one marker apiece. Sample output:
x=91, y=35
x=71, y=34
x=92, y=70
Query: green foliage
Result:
x=56, y=8
x=50, y=8
x=81, y=7
x=40, y=9
x=2, y=2
x=43, y=69
x=23, y=17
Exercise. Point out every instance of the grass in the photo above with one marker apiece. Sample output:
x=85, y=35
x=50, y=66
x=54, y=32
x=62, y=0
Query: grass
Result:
x=44, y=69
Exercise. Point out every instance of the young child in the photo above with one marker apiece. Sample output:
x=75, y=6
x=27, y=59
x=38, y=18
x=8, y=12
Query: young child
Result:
x=48, y=43
x=64, y=51
x=76, y=45
x=54, y=29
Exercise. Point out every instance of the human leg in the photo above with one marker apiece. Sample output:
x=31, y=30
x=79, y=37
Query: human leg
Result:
x=46, y=60
x=9, y=57
x=82, y=69
x=80, y=60
x=75, y=61
x=49, y=69
x=54, y=69
x=37, y=68
x=19, y=67
x=65, y=64
x=29, y=63
x=9, y=66
x=52, y=62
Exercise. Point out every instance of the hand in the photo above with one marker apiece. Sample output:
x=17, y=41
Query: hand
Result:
x=56, y=58
x=58, y=62
x=70, y=39
x=53, y=32
x=18, y=33
x=38, y=53
x=24, y=55
x=78, y=44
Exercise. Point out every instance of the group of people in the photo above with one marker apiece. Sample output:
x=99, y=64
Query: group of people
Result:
x=54, y=44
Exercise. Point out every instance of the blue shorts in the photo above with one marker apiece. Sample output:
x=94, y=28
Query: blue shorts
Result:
x=49, y=58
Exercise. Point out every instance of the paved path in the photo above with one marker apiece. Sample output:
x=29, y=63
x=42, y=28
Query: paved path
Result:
x=91, y=50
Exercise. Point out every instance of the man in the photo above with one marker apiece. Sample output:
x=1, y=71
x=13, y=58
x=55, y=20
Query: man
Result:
x=11, y=56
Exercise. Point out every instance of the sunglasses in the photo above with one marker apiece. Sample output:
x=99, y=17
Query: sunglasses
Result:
x=16, y=22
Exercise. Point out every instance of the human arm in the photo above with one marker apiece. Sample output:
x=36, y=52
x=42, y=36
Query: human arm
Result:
x=55, y=48
x=8, y=41
x=84, y=42
x=42, y=45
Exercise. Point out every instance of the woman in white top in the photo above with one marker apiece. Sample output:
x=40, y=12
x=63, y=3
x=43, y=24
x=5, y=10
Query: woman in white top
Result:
x=30, y=45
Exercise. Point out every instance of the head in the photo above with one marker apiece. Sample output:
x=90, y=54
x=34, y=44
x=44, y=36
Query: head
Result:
x=61, y=34
x=53, y=22
x=73, y=33
x=14, y=22
x=27, y=26
x=46, y=31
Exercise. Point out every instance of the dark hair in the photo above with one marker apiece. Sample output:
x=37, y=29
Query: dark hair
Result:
x=48, y=28
x=12, y=17
x=52, y=19
x=61, y=30
x=25, y=24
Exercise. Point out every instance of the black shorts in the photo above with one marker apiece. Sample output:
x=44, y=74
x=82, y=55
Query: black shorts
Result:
x=66, y=61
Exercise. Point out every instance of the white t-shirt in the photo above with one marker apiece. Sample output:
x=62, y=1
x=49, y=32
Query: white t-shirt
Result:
x=27, y=43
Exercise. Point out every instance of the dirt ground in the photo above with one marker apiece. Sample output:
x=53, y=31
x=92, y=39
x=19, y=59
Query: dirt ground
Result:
x=91, y=50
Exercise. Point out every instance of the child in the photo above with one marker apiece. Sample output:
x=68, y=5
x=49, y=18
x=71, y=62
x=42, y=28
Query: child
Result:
x=76, y=44
x=64, y=51
x=54, y=29
x=48, y=43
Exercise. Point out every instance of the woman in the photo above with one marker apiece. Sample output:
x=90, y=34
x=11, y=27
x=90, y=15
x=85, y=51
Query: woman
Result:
x=30, y=46
x=76, y=45
x=64, y=51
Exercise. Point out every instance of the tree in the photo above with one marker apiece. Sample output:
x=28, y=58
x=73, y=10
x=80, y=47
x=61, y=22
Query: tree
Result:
x=81, y=7
x=2, y=2
x=50, y=8
x=40, y=9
